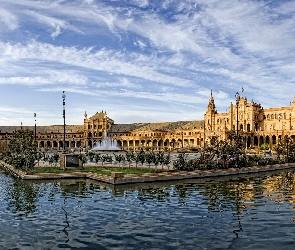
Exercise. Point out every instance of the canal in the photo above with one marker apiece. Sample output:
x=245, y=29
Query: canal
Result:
x=242, y=212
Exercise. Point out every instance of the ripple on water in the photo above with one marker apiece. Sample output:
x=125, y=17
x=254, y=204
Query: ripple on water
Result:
x=220, y=213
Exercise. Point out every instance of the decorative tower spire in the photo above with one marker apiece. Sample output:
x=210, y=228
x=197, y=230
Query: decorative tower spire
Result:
x=211, y=104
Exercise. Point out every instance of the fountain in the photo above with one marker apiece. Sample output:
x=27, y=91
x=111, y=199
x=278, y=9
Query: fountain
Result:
x=107, y=144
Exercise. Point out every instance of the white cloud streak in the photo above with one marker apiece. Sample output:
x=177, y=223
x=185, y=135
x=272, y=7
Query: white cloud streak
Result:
x=167, y=51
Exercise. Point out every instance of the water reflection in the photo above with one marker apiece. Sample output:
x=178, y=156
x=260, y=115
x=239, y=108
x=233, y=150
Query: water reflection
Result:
x=22, y=197
x=228, y=212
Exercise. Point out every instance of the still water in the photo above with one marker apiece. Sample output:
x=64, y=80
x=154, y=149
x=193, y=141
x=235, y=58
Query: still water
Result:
x=243, y=212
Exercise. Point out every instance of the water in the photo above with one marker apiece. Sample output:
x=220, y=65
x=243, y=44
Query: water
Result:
x=106, y=144
x=246, y=212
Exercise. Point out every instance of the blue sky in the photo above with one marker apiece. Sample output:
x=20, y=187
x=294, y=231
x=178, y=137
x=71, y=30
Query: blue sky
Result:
x=142, y=60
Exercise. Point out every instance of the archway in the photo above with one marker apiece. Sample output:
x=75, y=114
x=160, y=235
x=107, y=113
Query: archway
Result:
x=248, y=141
x=255, y=141
x=274, y=139
x=261, y=140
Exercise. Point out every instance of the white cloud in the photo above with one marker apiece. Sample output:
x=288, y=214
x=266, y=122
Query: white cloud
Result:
x=57, y=24
x=101, y=60
x=169, y=52
x=8, y=20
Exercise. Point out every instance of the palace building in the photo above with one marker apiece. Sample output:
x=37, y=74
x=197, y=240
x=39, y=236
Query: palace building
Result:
x=249, y=120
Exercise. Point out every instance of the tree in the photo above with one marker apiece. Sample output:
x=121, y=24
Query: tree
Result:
x=3, y=148
x=129, y=157
x=97, y=157
x=119, y=158
x=167, y=160
x=22, y=151
x=83, y=158
x=149, y=158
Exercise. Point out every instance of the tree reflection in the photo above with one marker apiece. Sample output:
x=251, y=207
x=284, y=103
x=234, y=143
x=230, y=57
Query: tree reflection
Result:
x=23, y=196
x=159, y=194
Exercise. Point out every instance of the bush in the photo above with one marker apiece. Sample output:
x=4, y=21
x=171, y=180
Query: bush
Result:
x=22, y=150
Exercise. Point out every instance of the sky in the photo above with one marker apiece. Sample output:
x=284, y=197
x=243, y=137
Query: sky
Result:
x=142, y=60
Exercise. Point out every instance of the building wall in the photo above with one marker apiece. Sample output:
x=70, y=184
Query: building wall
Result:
x=255, y=124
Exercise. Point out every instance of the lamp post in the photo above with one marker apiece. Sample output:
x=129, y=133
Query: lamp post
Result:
x=237, y=95
x=35, y=126
x=64, y=116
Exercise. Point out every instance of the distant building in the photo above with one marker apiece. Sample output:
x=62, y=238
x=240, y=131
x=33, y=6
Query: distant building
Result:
x=255, y=125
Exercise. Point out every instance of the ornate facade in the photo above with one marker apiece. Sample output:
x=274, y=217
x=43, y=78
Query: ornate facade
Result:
x=250, y=120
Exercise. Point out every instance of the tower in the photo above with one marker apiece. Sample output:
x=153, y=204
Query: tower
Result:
x=209, y=116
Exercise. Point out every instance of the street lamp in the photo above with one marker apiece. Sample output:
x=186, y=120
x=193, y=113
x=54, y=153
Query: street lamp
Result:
x=35, y=126
x=237, y=95
x=64, y=116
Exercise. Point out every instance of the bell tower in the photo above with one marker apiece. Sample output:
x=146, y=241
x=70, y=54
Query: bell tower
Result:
x=209, y=116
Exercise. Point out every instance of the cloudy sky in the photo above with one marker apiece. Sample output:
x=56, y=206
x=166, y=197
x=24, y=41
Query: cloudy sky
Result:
x=142, y=60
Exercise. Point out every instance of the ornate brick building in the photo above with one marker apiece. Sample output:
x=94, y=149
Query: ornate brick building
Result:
x=250, y=120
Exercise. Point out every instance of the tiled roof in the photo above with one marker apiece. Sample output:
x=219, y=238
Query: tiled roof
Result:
x=162, y=126
x=44, y=129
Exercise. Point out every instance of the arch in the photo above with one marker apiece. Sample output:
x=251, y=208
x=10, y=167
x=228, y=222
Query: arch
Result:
x=173, y=143
x=48, y=144
x=267, y=140
x=55, y=144
x=89, y=134
x=99, y=134
x=241, y=127
x=256, y=126
x=90, y=144
x=41, y=144
x=248, y=127
x=274, y=139
x=142, y=143
x=124, y=144
x=255, y=140
x=131, y=144
x=160, y=143
x=72, y=144
x=261, y=140
x=119, y=143
x=248, y=142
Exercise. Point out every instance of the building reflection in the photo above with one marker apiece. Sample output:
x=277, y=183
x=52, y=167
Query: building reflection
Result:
x=235, y=193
